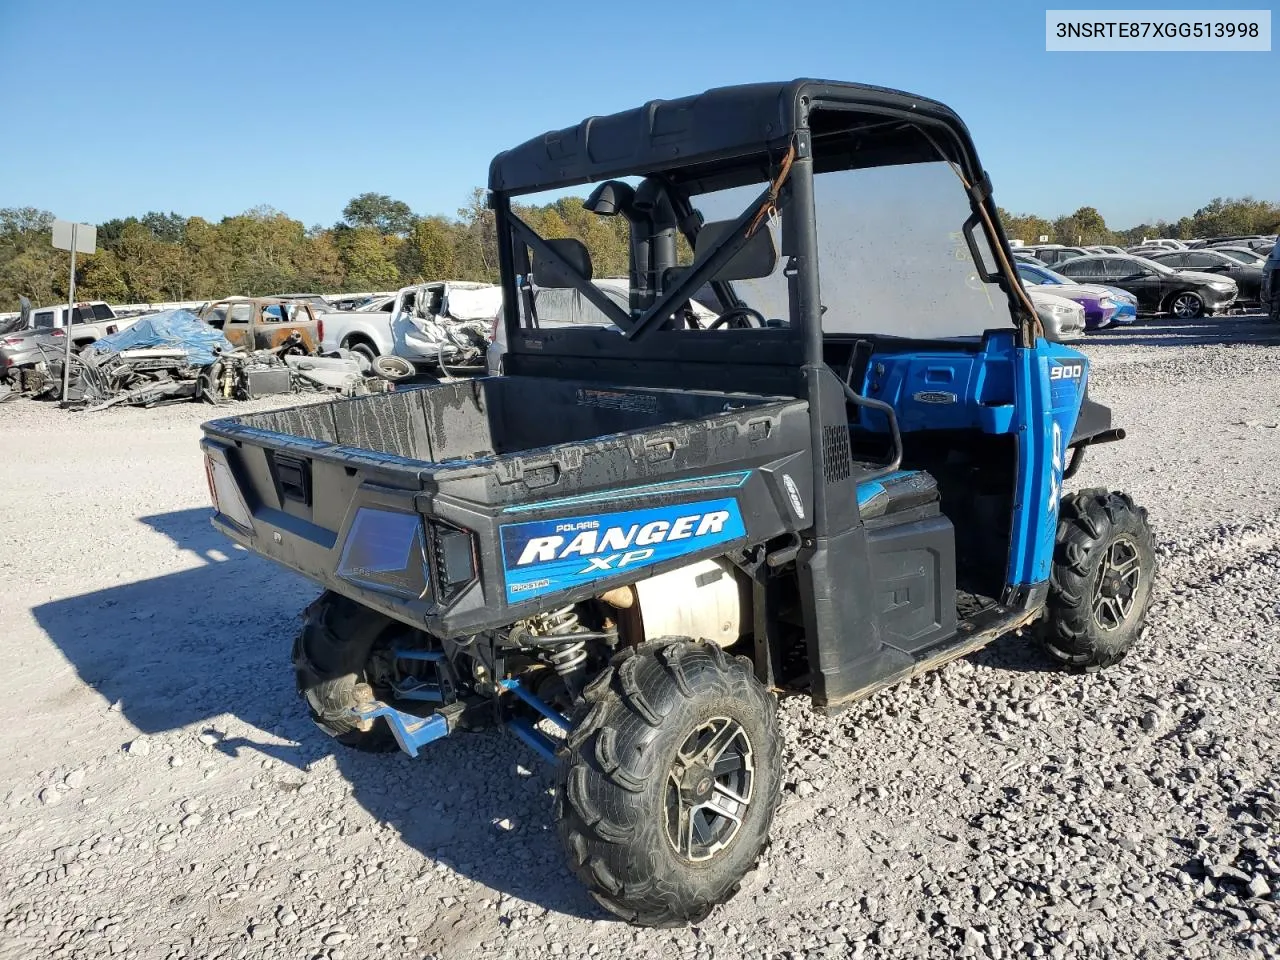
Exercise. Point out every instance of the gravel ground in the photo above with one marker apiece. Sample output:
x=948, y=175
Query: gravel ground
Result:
x=165, y=796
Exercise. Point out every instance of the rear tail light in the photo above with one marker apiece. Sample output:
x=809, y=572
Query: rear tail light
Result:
x=320, y=328
x=12, y=341
x=224, y=492
x=58, y=332
x=493, y=328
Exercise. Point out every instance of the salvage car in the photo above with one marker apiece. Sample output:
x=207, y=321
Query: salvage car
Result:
x=38, y=334
x=556, y=307
x=1159, y=289
x=439, y=327
x=1248, y=279
x=264, y=323
x=1102, y=306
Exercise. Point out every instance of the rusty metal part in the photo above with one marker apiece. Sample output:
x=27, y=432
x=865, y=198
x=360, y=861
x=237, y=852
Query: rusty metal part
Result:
x=260, y=333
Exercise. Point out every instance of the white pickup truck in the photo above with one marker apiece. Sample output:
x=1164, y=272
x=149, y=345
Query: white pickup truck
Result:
x=441, y=326
x=89, y=322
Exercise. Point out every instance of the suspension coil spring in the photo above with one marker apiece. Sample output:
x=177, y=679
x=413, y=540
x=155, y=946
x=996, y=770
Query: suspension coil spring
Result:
x=567, y=657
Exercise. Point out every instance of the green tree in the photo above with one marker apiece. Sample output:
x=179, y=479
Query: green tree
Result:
x=29, y=265
x=1026, y=227
x=1085, y=226
x=367, y=259
x=429, y=252
x=377, y=211
x=169, y=227
x=478, y=239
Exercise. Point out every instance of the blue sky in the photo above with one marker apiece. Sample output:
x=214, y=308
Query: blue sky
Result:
x=209, y=109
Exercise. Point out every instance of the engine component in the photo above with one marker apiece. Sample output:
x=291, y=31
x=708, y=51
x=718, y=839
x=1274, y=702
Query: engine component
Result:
x=707, y=600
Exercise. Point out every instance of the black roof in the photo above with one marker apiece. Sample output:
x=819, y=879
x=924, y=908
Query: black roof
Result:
x=715, y=126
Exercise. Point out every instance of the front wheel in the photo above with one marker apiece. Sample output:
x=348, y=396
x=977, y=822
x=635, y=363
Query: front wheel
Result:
x=1186, y=306
x=669, y=783
x=1104, y=564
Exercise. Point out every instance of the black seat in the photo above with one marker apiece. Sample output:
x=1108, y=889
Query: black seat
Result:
x=896, y=492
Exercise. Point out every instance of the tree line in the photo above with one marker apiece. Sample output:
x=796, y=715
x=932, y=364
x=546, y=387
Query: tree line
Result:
x=1220, y=217
x=381, y=244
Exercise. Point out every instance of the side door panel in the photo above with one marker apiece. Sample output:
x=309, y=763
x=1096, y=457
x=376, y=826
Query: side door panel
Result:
x=238, y=327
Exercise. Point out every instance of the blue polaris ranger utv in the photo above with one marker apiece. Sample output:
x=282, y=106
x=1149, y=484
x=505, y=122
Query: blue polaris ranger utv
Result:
x=849, y=470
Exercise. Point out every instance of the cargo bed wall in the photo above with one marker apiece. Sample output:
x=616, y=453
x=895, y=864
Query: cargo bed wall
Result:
x=473, y=419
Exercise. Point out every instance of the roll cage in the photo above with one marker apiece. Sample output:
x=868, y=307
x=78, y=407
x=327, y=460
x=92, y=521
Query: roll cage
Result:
x=779, y=135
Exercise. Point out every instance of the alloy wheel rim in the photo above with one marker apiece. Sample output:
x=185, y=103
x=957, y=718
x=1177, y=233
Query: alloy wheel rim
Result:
x=709, y=789
x=1184, y=306
x=1116, y=588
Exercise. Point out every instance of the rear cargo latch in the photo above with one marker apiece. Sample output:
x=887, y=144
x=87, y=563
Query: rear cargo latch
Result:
x=293, y=479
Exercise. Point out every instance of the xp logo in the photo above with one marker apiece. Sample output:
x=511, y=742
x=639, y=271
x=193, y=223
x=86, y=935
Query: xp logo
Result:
x=546, y=556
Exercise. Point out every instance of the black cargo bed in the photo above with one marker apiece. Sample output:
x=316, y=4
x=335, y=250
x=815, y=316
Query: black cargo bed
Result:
x=473, y=456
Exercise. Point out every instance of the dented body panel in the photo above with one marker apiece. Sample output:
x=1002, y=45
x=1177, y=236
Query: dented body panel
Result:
x=263, y=323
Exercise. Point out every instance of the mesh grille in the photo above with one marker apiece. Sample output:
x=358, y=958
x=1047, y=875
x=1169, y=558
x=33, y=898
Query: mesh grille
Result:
x=836, y=465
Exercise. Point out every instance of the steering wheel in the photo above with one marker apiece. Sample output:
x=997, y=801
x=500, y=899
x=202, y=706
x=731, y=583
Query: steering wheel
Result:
x=746, y=314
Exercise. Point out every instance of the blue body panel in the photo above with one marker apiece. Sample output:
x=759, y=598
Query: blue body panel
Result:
x=1000, y=389
x=547, y=556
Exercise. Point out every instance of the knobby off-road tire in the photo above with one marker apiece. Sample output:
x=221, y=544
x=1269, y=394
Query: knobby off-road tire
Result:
x=1104, y=564
x=663, y=732
x=329, y=658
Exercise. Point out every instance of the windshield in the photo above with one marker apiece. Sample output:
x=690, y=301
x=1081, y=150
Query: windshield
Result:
x=1032, y=274
x=893, y=256
x=1151, y=265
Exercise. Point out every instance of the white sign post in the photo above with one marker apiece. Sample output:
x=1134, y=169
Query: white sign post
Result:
x=78, y=238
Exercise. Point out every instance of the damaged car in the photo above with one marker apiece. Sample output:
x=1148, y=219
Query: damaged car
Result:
x=264, y=323
x=442, y=327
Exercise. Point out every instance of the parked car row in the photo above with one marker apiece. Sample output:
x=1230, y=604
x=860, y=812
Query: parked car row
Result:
x=1185, y=294
x=1162, y=276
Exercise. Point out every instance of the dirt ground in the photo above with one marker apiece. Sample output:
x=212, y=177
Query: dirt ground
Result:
x=165, y=796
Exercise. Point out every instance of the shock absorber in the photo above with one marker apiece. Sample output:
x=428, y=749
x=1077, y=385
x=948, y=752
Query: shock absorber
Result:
x=567, y=657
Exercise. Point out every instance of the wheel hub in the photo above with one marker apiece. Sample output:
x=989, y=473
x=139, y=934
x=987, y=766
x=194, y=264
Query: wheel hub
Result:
x=1119, y=575
x=709, y=788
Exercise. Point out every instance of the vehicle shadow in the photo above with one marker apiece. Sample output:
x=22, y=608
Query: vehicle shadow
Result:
x=186, y=649
x=1017, y=652
x=1206, y=331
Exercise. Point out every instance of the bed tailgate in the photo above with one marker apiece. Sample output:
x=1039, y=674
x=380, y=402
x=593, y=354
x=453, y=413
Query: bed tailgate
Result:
x=342, y=516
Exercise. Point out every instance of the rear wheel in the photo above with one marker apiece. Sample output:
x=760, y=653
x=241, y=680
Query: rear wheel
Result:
x=669, y=782
x=1186, y=305
x=329, y=660
x=1100, y=586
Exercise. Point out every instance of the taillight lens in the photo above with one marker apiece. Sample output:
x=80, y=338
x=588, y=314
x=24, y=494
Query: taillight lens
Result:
x=224, y=492
x=57, y=333
x=320, y=328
